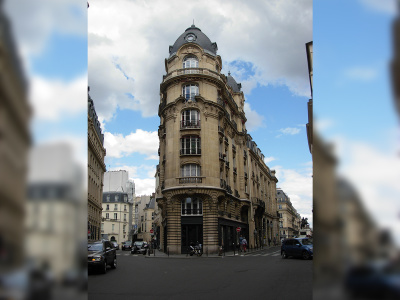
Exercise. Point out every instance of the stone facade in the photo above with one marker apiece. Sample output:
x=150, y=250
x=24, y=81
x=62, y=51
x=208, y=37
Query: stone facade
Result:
x=15, y=114
x=289, y=219
x=212, y=178
x=96, y=169
x=116, y=217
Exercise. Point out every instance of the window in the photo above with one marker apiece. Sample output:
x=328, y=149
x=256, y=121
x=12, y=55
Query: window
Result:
x=190, y=119
x=112, y=227
x=108, y=207
x=116, y=198
x=141, y=218
x=145, y=227
x=125, y=217
x=107, y=215
x=190, y=145
x=192, y=206
x=115, y=216
x=152, y=215
x=124, y=228
x=190, y=61
x=125, y=198
x=191, y=170
x=125, y=207
x=189, y=91
x=115, y=206
x=280, y=206
x=108, y=198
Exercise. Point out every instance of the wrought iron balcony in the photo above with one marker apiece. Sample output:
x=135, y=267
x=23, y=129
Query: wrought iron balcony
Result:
x=233, y=147
x=235, y=170
x=237, y=194
x=190, y=124
x=222, y=156
x=195, y=151
x=194, y=179
x=223, y=183
x=192, y=211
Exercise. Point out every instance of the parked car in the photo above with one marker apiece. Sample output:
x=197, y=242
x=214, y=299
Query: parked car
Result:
x=127, y=246
x=374, y=280
x=297, y=247
x=100, y=255
x=115, y=245
x=139, y=247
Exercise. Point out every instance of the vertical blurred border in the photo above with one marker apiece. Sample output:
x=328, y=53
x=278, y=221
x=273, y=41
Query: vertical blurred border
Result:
x=43, y=150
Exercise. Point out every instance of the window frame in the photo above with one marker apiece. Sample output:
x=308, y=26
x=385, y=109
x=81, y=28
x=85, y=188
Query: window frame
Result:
x=190, y=91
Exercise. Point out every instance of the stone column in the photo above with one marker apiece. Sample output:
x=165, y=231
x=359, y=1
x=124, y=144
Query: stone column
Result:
x=174, y=225
x=210, y=225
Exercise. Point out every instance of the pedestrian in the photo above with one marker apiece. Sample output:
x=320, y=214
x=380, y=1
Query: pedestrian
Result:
x=269, y=241
x=241, y=243
x=274, y=241
x=244, y=244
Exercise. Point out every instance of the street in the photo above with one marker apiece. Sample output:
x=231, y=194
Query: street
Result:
x=260, y=274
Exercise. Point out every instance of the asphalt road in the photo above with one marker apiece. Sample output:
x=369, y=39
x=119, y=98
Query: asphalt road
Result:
x=256, y=276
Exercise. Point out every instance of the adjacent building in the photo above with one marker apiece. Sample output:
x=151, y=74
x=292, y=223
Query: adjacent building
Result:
x=15, y=114
x=55, y=229
x=96, y=169
x=289, y=219
x=212, y=182
x=116, y=217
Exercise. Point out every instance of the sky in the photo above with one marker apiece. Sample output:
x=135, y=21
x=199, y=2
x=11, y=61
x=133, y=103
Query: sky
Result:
x=262, y=44
x=118, y=48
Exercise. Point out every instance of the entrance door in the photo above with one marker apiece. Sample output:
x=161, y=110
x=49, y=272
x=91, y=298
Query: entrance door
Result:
x=191, y=234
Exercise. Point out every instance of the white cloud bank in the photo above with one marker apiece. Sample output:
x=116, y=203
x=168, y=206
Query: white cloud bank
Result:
x=129, y=40
x=143, y=142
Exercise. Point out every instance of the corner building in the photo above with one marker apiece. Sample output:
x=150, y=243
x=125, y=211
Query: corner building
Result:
x=212, y=179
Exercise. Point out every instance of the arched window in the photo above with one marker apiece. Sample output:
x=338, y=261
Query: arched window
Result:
x=190, y=91
x=190, y=61
x=190, y=145
x=190, y=119
x=192, y=206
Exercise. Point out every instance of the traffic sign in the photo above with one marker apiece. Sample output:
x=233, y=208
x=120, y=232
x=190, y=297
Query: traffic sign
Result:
x=238, y=229
x=151, y=231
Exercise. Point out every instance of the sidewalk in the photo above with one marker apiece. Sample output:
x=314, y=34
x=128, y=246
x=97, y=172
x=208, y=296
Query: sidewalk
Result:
x=160, y=254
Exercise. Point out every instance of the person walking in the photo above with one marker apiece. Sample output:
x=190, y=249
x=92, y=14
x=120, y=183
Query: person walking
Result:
x=274, y=241
x=269, y=241
x=244, y=244
x=241, y=243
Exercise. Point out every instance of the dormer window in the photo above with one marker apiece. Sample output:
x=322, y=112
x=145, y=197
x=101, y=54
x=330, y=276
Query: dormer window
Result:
x=190, y=61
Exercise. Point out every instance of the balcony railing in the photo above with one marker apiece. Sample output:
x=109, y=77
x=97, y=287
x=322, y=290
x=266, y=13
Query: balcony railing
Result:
x=237, y=194
x=235, y=170
x=192, y=71
x=194, y=179
x=190, y=124
x=223, y=183
x=195, y=151
x=227, y=164
x=192, y=211
x=245, y=175
x=226, y=140
x=233, y=147
x=221, y=130
x=245, y=153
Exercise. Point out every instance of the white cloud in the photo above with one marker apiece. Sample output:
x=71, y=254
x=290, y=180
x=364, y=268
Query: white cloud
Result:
x=254, y=120
x=321, y=125
x=385, y=6
x=135, y=35
x=33, y=22
x=54, y=100
x=289, y=130
x=132, y=170
x=361, y=73
x=144, y=186
x=297, y=184
x=269, y=159
x=375, y=176
x=143, y=142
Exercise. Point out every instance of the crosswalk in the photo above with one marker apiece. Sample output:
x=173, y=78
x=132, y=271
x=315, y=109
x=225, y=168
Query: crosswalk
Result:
x=126, y=254
x=276, y=253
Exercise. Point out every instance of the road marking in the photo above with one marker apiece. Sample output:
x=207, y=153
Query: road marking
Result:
x=266, y=254
x=277, y=254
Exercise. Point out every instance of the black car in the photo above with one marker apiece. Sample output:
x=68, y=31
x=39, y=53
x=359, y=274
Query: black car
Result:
x=100, y=255
x=115, y=245
x=127, y=245
x=139, y=247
